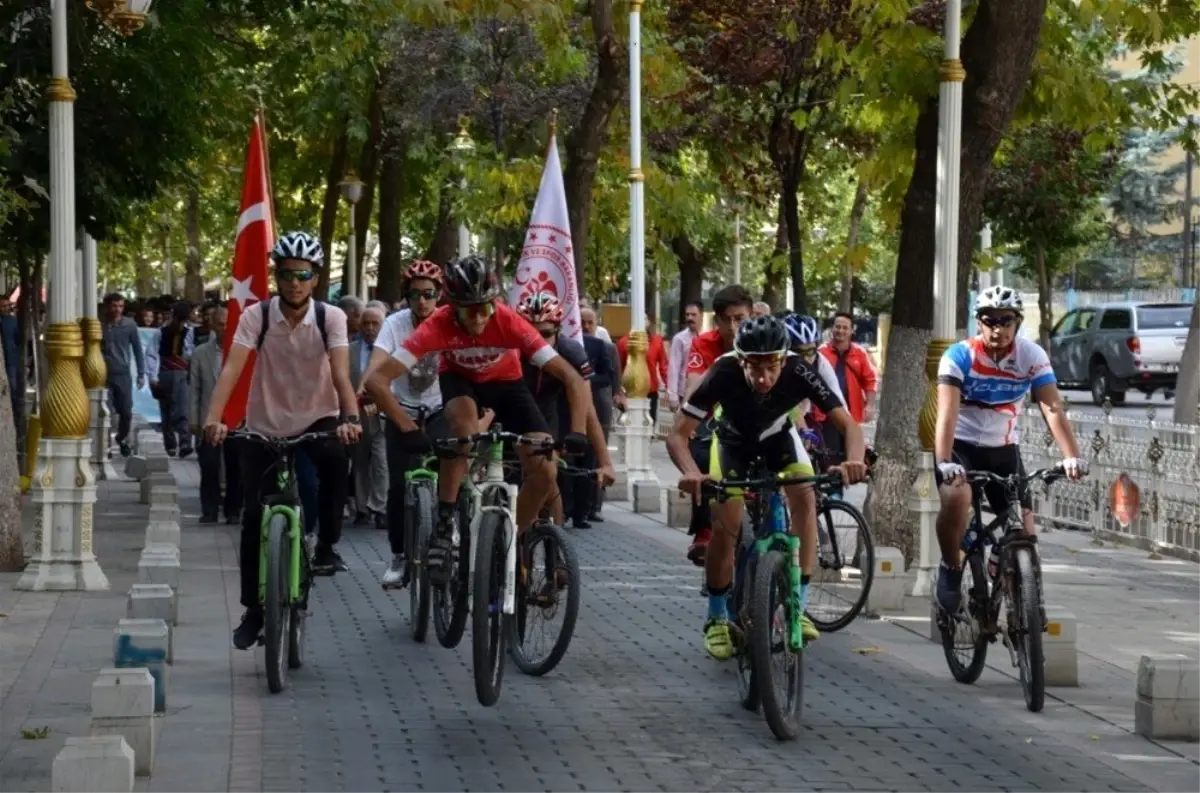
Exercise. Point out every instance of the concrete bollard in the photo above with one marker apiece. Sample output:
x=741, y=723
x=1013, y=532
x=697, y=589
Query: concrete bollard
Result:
x=163, y=494
x=152, y=602
x=679, y=509
x=647, y=497
x=1168, y=698
x=135, y=467
x=123, y=704
x=1058, y=648
x=890, y=583
x=152, y=480
x=103, y=764
x=159, y=564
x=165, y=512
x=163, y=532
x=145, y=643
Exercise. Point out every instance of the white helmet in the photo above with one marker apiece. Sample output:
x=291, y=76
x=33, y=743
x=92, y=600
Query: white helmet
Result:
x=299, y=245
x=999, y=297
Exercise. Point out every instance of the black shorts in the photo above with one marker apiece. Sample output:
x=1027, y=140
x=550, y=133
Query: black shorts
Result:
x=515, y=408
x=999, y=460
x=782, y=452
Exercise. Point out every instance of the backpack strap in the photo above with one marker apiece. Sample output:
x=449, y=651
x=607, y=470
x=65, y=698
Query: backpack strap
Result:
x=266, y=322
x=319, y=308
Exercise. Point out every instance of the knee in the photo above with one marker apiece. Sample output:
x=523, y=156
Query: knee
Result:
x=955, y=500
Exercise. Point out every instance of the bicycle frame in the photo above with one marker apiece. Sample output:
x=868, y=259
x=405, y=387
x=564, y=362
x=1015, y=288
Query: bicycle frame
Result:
x=287, y=503
x=478, y=494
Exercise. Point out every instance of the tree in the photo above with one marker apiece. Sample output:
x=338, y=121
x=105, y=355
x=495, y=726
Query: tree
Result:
x=1043, y=197
x=1187, y=393
x=12, y=553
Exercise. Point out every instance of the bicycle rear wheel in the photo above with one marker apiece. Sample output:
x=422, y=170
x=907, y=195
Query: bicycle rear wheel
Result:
x=297, y=628
x=418, y=527
x=963, y=640
x=744, y=568
x=845, y=567
x=451, y=602
x=543, y=599
x=782, y=694
x=1025, y=628
x=276, y=606
x=487, y=614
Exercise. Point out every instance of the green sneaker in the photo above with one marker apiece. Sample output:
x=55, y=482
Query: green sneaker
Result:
x=717, y=639
x=808, y=630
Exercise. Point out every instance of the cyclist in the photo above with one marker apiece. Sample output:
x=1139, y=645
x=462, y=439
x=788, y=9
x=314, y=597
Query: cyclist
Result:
x=731, y=306
x=301, y=384
x=544, y=311
x=482, y=342
x=757, y=385
x=805, y=335
x=981, y=384
x=416, y=390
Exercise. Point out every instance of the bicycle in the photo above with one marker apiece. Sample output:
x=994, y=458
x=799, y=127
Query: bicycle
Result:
x=766, y=580
x=1010, y=578
x=487, y=511
x=284, y=573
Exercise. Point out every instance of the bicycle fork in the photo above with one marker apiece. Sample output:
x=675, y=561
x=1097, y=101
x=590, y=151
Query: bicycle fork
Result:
x=509, y=605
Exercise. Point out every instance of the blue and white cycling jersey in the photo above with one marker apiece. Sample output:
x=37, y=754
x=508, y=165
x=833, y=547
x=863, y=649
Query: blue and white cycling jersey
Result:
x=992, y=391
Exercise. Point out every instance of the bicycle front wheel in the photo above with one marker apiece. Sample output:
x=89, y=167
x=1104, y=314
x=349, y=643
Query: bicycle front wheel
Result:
x=845, y=567
x=778, y=670
x=964, y=641
x=299, y=611
x=1025, y=628
x=487, y=610
x=548, y=589
x=451, y=602
x=276, y=603
x=418, y=528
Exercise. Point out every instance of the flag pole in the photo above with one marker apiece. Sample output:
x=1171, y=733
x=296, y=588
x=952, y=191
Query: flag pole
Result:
x=553, y=128
x=261, y=115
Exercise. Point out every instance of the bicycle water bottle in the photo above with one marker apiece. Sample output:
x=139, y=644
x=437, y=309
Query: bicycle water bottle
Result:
x=969, y=539
x=778, y=518
x=993, y=562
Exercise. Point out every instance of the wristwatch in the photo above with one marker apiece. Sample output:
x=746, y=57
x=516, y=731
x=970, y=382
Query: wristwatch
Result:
x=350, y=420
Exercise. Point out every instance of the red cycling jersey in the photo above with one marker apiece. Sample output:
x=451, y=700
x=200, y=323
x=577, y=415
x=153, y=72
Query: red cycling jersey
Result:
x=492, y=356
x=706, y=349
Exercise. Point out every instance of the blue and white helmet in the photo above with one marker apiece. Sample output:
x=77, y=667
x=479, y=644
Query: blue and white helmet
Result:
x=299, y=245
x=803, y=330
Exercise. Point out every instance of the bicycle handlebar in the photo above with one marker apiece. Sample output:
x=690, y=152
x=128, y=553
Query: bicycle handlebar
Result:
x=770, y=483
x=282, y=443
x=1047, y=475
x=494, y=436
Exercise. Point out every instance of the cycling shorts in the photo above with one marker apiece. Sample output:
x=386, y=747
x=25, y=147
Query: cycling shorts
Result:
x=999, y=460
x=782, y=451
x=515, y=408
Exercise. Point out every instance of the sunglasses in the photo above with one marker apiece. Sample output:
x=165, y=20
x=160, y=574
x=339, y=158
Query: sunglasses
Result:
x=425, y=294
x=486, y=309
x=807, y=352
x=992, y=321
x=294, y=275
x=548, y=334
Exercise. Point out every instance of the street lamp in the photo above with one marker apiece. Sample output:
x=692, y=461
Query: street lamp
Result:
x=461, y=150
x=945, y=286
x=63, y=488
x=352, y=190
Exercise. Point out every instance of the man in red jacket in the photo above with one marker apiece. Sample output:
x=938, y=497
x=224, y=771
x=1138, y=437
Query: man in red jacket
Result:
x=656, y=359
x=855, y=373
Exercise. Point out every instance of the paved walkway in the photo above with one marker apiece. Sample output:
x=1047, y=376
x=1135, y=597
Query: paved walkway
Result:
x=634, y=705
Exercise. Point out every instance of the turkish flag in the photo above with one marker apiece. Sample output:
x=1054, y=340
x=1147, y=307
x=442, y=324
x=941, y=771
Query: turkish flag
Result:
x=251, y=253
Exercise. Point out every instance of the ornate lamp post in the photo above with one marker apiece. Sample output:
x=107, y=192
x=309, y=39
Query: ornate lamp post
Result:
x=93, y=367
x=352, y=190
x=641, y=483
x=945, y=286
x=461, y=150
x=63, y=487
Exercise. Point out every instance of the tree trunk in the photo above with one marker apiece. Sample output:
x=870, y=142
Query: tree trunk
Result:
x=1045, y=309
x=143, y=277
x=691, y=272
x=12, y=550
x=856, y=215
x=193, y=283
x=1187, y=391
x=998, y=54
x=368, y=171
x=587, y=136
x=772, y=293
x=791, y=213
x=390, y=201
x=24, y=337
x=443, y=246
x=329, y=207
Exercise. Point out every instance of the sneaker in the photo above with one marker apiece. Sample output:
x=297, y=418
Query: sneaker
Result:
x=208, y=518
x=949, y=590
x=246, y=634
x=381, y=523
x=126, y=449
x=717, y=639
x=808, y=630
x=361, y=519
x=595, y=517
x=699, y=547
x=580, y=523
x=326, y=561
x=441, y=546
x=185, y=452
x=396, y=573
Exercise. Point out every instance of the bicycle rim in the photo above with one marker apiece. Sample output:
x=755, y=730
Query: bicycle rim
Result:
x=487, y=615
x=276, y=608
x=845, y=568
x=298, y=627
x=778, y=670
x=963, y=641
x=419, y=527
x=546, y=590
x=1026, y=633
x=747, y=684
x=451, y=603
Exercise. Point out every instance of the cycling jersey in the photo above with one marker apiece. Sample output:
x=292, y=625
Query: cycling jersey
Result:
x=752, y=415
x=706, y=349
x=492, y=356
x=546, y=388
x=992, y=391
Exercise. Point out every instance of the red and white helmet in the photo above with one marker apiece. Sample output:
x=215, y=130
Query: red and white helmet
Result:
x=541, y=307
x=423, y=269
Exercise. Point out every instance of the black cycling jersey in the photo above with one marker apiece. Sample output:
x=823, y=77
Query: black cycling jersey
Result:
x=750, y=414
x=546, y=387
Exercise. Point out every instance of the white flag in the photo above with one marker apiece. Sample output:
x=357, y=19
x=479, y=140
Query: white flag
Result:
x=548, y=258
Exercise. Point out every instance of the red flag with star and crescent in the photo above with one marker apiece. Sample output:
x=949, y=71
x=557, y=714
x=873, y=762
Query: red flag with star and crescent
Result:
x=251, y=254
x=548, y=259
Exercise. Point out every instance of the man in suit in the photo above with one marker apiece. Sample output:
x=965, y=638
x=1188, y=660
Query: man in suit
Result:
x=606, y=391
x=203, y=371
x=369, y=455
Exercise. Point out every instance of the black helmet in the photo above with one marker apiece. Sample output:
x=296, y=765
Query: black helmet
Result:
x=470, y=280
x=761, y=336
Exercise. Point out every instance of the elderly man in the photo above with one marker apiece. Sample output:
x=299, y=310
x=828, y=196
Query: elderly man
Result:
x=761, y=309
x=681, y=344
x=607, y=390
x=204, y=370
x=353, y=306
x=370, y=453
